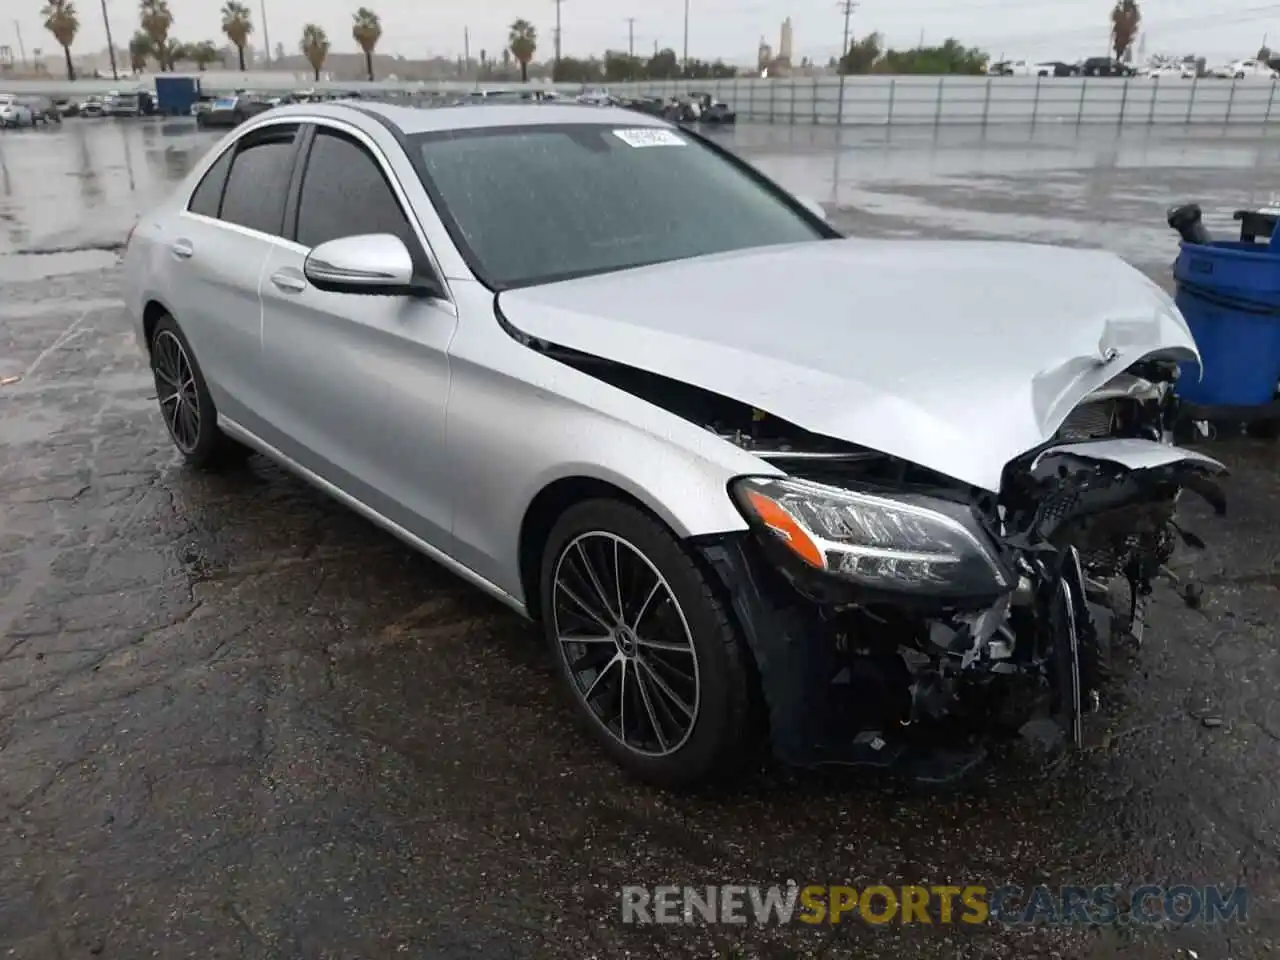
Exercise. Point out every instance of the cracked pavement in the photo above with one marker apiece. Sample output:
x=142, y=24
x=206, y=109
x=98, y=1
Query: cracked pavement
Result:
x=237, y=720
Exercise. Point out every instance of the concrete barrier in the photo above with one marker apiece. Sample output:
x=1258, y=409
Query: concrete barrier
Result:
x=875, y=100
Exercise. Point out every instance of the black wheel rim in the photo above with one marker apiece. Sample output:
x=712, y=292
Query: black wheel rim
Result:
x=625, y=643
x=176, y=390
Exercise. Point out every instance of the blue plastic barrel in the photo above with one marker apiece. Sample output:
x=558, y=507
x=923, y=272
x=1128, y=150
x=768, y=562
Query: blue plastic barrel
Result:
x=1230, y=294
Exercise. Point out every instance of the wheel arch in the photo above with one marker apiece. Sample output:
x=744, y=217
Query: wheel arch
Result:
x=152, y=311
x=551, y=502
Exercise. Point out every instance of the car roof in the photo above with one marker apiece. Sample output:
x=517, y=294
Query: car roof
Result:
x=412, y=120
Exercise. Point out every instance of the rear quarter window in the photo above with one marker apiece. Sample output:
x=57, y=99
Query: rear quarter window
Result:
x=207, y=197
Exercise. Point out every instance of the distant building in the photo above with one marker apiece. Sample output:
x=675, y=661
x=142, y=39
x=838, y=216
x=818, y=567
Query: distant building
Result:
x=764, y=55
x=784, y=42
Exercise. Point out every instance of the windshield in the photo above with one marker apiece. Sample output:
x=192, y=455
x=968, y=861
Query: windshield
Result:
x=534, y=204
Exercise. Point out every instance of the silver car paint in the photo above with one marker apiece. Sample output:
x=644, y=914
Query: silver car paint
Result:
x=455, y=470
x=956, y=355
x=430, y=419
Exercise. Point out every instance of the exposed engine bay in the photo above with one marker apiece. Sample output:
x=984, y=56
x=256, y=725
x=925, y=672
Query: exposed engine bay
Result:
x=901, y=617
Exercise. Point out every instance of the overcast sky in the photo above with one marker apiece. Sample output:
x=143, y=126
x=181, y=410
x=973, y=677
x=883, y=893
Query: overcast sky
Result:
x=728, y=29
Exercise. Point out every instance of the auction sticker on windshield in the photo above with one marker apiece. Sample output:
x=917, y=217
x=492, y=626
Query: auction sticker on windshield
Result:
x=650, y=137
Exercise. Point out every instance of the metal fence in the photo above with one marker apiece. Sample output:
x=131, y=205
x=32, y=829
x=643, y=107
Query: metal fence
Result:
x=873, y=100
x=991, y=100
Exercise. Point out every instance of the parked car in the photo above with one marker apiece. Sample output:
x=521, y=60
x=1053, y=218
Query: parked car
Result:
x=650, y=105
x=43, y=111
x=93, y=106
x=1056, y=68
x=1015, y=68
x=1174, y=71
x=230, y=111
x=1246, y=70
x=1106, y=67
x=67, y=108
x=123, y=105
x=14, y=112
x=596, y=96
x=692, y=431
x=711, y=110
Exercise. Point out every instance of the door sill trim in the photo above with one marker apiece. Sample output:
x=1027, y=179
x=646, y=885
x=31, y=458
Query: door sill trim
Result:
x=247, y=437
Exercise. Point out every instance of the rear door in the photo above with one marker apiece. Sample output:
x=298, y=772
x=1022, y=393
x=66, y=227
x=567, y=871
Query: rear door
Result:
x=358, y=383
x=219, y=249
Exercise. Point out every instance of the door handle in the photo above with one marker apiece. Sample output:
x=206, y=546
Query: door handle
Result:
x=183, y=249
x=288, y=281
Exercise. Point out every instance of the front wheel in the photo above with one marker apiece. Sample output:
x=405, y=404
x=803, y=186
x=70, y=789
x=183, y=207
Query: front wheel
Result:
x=654, y=665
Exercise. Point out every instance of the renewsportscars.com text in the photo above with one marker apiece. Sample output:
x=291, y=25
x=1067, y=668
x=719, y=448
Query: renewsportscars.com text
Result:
x=973, y=904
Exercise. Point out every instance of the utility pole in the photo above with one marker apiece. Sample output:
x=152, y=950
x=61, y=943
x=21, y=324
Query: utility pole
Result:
x=266, y=35
x=466, y=46
x=556, y=72
x=631, y=36
x=111, y=47
x=22, y=51
x=686, y=36
x=848, y=6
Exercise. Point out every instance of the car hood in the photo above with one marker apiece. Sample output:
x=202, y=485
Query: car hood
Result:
x=955, y=355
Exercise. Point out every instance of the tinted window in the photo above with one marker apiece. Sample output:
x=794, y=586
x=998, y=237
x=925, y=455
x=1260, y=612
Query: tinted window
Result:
x=259, y=182
x=208, y=195
x=532, y=204
x=344, y=194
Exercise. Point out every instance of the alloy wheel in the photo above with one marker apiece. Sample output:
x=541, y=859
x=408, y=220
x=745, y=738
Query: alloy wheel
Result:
x=626, y=643
x=176, y=389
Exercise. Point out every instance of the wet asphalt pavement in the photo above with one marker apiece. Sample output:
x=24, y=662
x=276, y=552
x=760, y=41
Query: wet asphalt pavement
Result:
x=236, y=720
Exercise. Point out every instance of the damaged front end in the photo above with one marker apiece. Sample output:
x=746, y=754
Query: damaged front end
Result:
x=899, y=617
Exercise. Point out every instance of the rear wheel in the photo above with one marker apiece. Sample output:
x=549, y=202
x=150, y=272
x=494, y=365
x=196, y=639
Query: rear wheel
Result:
x=654, y=665
x=185, y=404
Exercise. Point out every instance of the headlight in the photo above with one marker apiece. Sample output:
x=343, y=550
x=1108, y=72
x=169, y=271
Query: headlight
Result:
x=891, y=542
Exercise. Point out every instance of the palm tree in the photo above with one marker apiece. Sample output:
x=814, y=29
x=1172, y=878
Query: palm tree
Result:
x=170, y=52
x=203, y=53
x=1125, y=20
x=315, y=47
x=60, y=19
x=237, y=26
x=140, y=49
x=523, y=41
x=367, y=31
x=157, y=18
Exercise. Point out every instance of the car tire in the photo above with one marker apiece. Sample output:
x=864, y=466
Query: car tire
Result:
x=694, y=700
x=186, y=406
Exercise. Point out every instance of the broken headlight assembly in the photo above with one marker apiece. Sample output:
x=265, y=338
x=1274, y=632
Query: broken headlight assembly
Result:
x=886, y=542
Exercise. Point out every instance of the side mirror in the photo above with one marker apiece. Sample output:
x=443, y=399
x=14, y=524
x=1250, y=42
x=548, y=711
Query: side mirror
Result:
x=813, y=207
x=373, y=263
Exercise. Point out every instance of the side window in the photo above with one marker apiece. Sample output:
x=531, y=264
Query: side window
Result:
x=344, y=194
x=259, y=180
x=207, y=197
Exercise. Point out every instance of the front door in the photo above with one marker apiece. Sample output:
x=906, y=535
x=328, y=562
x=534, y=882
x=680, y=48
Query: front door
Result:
x=357, y=383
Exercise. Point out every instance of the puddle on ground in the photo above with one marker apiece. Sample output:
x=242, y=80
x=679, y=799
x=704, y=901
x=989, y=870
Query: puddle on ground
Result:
x=16, y=268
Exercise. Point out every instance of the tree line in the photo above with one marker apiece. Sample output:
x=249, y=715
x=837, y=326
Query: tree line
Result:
x=154, y=41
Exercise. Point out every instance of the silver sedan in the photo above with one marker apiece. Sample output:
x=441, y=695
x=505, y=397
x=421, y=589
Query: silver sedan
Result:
x=756, y=481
